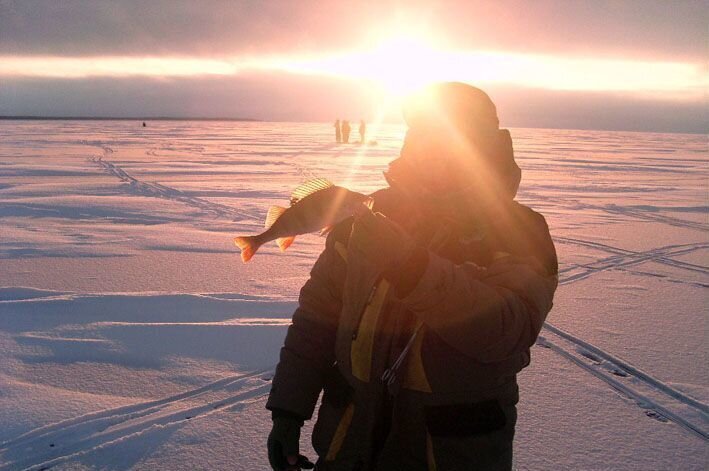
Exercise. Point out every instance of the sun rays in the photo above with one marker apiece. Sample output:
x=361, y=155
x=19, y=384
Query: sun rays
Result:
x=398, y=64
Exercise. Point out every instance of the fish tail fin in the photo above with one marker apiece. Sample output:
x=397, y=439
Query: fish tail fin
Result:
x=284, y=242
x=248, y=246
x=274, y=212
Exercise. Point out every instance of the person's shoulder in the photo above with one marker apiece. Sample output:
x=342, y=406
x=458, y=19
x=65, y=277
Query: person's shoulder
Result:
x=530, y=218
x=533, y=234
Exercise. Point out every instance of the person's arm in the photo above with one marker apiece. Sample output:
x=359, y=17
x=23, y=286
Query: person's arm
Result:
x=309, y=348
x=487, y=313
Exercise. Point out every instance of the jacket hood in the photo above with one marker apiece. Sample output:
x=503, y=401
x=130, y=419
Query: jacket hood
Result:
x=488, y=172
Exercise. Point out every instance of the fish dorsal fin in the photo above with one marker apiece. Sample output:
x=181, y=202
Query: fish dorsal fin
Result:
x=308, y=188
x=274, y=212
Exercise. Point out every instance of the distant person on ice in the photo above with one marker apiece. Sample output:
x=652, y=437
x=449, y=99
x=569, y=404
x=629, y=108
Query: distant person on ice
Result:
x=420, y=312
x=362, y=130
x=346, y=131
x=338, y=133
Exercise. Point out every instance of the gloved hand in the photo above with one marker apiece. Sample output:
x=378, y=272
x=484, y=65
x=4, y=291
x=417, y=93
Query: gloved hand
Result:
x=283, y=445
x=380, y=240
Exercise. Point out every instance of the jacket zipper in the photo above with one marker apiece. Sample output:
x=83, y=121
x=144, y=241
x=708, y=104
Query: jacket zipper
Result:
x=370, y=298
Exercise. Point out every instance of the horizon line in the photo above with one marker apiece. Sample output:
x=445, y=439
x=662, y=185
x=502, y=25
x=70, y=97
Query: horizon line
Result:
x=255, y=120
x=122, y=118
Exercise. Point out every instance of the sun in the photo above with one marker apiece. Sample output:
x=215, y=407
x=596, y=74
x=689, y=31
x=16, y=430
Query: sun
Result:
x=400, y=61
x=403, y=63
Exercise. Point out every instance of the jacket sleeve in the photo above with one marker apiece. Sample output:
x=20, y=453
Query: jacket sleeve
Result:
x=487, y=313
x=309, y=348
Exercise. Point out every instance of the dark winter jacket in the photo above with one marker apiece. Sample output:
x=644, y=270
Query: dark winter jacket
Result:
x=481, y=300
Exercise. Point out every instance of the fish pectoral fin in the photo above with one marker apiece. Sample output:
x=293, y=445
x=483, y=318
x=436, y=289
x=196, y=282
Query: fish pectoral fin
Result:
x=308, y=188
x=284, y=242
x=274, y=212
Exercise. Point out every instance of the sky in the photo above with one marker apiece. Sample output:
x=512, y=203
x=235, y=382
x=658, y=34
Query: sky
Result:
x=601, y=64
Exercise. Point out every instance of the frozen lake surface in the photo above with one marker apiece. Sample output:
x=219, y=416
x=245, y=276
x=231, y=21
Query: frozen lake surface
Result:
x=132, y=336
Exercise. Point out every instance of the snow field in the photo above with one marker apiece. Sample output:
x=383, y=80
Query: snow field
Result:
x=132, y=336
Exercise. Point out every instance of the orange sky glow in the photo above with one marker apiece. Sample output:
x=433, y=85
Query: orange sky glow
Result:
x=559, y=64
x=399, y=63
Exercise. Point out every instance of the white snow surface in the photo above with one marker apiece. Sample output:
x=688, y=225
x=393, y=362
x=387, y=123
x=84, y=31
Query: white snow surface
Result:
x=132, y=336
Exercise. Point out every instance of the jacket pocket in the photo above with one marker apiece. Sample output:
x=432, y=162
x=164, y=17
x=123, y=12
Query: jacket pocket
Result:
x=475, y=436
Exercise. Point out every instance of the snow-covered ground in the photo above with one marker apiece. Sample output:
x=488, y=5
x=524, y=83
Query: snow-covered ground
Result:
x=132, y=336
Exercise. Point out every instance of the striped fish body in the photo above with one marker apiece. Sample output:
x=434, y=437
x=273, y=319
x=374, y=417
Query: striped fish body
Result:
x=316, y=205
x=319, y=210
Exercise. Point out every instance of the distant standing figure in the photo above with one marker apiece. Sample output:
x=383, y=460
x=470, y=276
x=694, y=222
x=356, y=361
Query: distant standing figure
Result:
x=143, y=123
x=346, y=131
x=362, y=130
x=338, y=134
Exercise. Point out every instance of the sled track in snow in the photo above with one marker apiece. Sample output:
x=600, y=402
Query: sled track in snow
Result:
x=613, y=209
x=623, y=258
x=45, y=447
x=657, y=257
x=652, y=217
x=659, y=400
x=162, y=191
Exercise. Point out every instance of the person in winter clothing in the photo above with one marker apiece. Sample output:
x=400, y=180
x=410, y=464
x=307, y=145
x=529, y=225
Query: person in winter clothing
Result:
x=362, y=131
x=338, y=133
x=346, y=129
x=420, y=312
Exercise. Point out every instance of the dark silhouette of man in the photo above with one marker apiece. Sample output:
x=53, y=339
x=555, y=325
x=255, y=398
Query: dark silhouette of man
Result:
x=346, y=131
x=420, y=312
x=362, y=130
x=338, y=133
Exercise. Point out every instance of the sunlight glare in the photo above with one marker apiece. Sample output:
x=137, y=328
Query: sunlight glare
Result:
x=410, y=58
x=82, y=67
x=397, y=62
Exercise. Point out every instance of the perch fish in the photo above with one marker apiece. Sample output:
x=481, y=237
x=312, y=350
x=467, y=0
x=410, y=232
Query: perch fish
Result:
x=316, y=205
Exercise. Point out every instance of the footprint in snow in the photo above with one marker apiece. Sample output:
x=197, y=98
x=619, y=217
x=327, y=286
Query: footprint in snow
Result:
x=589, y=355
x=655, y=415
x=542, y=342
x=619, y=372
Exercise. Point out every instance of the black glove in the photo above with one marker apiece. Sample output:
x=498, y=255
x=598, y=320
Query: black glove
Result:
x=380, y=240
x=283, y=445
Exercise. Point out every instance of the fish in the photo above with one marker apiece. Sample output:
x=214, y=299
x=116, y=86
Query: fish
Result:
x=316, y=205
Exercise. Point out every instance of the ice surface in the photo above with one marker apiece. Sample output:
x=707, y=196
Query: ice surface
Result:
x=132, y=337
